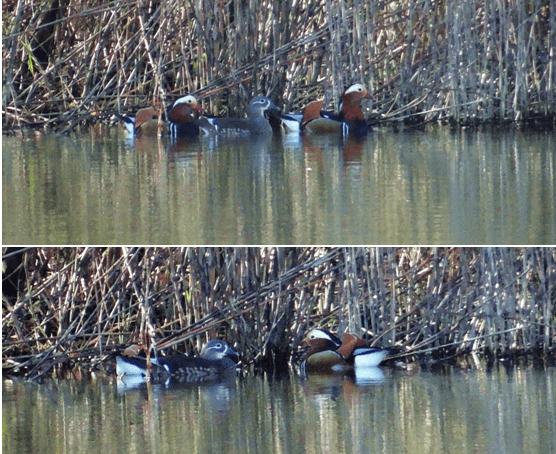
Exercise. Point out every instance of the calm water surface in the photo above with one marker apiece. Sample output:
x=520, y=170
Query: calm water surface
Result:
x=500, y=411
x=406, y=188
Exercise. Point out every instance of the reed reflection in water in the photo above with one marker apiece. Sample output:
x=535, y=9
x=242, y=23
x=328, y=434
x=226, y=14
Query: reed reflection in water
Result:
x=430, y=187
x=454, y=411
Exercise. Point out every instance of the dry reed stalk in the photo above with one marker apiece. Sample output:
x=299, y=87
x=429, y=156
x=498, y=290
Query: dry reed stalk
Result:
x=65, y=305
x=467, y=62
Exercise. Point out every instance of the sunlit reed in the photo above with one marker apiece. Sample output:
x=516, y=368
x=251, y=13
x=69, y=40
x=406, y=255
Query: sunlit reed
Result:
x=71, y=306
x=462, y=62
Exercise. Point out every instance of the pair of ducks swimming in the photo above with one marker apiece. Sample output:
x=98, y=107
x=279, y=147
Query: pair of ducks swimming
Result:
x=326, y=353
x=185, y=118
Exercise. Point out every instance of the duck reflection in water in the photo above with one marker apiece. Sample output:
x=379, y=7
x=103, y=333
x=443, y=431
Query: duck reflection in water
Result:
x=351, y=149
x=333, y=386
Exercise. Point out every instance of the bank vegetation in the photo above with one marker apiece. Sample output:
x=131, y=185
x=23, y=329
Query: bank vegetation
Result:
x=72, y=309
x=463, y=62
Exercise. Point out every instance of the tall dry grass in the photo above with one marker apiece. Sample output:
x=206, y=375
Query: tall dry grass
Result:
x=67, y=63
x=62, y=307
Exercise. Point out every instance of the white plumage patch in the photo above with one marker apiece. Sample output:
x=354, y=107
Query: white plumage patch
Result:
x=189, y=99
x=368, y=357
x=318, y=334
x=355, y=88
x=125, y=368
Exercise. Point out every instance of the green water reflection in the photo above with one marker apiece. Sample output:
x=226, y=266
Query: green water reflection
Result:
x=432, y=187
x=510, y=411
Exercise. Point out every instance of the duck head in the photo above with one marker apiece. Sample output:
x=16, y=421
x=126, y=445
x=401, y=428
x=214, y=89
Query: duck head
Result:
x=217, y=349
x=184, y=110
x=350, y=102
x=261, y=107
x=320, y=340
x=323, y=339
x=321, y=355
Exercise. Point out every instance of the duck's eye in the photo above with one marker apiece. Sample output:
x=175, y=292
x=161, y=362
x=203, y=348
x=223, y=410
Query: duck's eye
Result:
x=218, y=345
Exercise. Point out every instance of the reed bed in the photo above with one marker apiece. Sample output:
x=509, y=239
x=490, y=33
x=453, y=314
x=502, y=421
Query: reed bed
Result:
x=464, y=62
x=65, y=308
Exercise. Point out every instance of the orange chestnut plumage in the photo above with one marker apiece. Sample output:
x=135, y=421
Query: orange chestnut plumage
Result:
x=350, y=120
x=327, y=354
x=145, y=123
x=321, y=355
x=185, y=120
x=350, y=103
x=184, y=110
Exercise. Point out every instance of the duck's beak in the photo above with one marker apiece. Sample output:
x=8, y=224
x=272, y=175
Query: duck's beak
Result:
x=273, y=110
x=231, y=353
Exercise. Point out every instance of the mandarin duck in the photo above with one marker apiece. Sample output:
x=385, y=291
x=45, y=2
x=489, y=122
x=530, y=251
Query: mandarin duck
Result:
x=145, y=122
x=328, y=354
x=185, y=120
x=216, y=362
x=350, y=120
x=256, y=123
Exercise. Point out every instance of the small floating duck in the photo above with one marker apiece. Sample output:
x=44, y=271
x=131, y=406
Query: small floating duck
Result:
x=297, y=122
x=350, y=120
x=215, y=363
x=145, y=122
x=184, y=118
x=328, y=354
x=256, y=123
